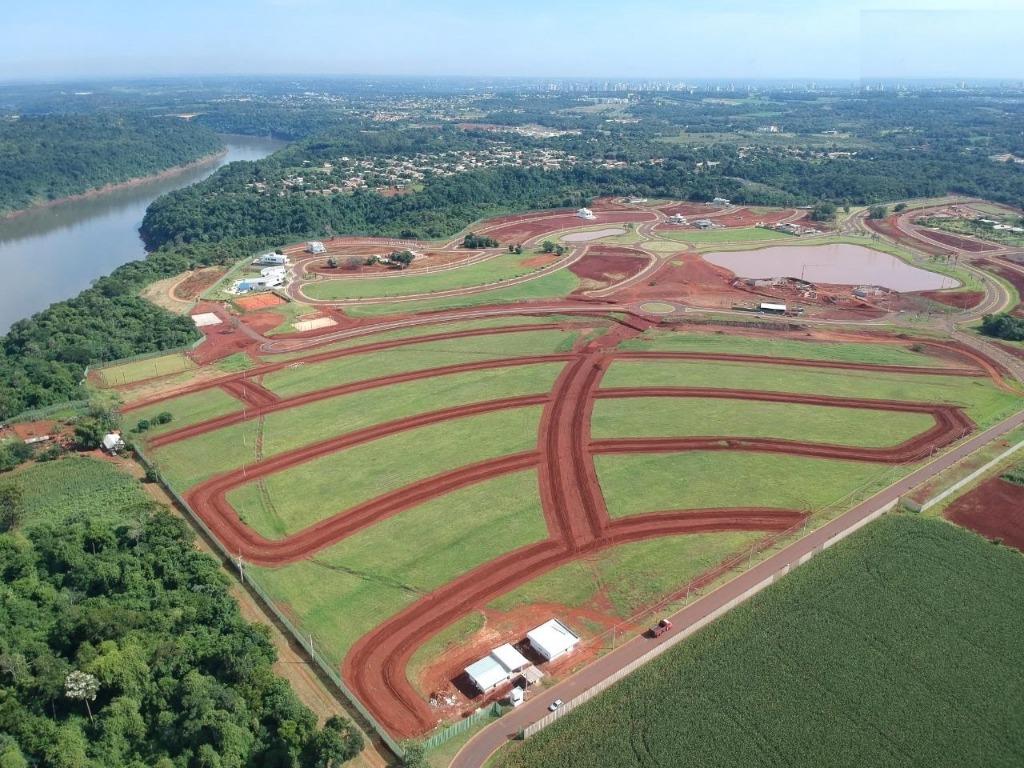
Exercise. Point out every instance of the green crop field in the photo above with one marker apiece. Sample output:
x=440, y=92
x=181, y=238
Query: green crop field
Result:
x=654, y=482
x=493, y=270
x=344, y=591
x=684, y=416
x=73, y=488
x=137, y=370
x=308, y=377
x=288, y=501
x=185, y=410
x=686, y=341
x=629, y=577
x=230, y=447
x=899, y=646
x=552, y=285
x=983, y=402
x=738, y=235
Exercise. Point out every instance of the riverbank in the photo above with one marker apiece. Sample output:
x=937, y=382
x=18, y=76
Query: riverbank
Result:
x=106, y=189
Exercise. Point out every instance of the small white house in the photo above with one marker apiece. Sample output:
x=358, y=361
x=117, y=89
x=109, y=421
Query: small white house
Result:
x=271, y=260
x=552, y=640
x=775, y=309
x=677, y=218
x=112, y=442
x=585, y=213
x=704, y=224
x=315, y=246
x=496, y=668
x=274, y=273
x=720, y=201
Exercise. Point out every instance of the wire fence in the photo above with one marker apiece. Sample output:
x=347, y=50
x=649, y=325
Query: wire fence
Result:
x=76, y=406
x=466, y=724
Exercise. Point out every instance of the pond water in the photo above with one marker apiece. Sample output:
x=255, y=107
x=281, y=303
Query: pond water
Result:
x=597, y=234
x=840, y=264
x=49, y=254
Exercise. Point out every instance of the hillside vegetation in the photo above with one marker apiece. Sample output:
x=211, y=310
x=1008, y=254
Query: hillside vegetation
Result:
x=120, y=645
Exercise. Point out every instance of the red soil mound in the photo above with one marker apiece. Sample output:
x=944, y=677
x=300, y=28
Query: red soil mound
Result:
x=524, y=228
x=958, y=299
x=192, y=286
x=955, y=241
x=995, y=509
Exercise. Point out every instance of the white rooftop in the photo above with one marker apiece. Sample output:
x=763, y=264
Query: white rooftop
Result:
x=552, y=638
x=487, y=673
x=510, y=658
x=112, y=441
x=205, y=318
x=773, y=307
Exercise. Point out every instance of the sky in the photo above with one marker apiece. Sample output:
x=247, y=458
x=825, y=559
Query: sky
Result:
x=695, y=39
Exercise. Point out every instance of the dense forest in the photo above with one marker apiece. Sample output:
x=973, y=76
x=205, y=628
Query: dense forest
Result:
x=120, y=645
x=48, y=157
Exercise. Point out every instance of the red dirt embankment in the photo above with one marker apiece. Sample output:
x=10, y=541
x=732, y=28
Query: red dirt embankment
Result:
x=604, y=265
x=887, y=227
x=955, y=241
x=523, y=228
x=995, y=509
x=958, y=299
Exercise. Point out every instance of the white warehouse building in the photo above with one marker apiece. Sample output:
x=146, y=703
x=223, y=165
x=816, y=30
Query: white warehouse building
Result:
x=552, y=639
x=496, y=668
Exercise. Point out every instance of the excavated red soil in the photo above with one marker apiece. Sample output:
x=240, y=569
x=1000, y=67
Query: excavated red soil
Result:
x=427, y=260
x=193, y=286
x=687, y=209
x=995, y=509
x=887, y=228
x=259, y=301
x=958, y=299
x=744, y=217
x=521, y=229
x=955, y=241
x=604, y=265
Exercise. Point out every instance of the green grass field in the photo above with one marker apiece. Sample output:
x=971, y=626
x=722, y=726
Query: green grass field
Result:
x=899, y=646
x=686, y=341
x=185, y=410
x=493, y=270
x=307, y=377
x=630, y=576
x=683, y=416
x=982, y=401
x=342, y=592
x=635, y=484
x=413, y=332
x=295, y=498
x=735, y=235
x=553, y=285
x=137, y=370
x=231, y=447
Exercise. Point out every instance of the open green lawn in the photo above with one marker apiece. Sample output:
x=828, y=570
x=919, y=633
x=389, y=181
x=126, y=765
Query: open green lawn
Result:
x=553, y=285
x=342, y=592
x=307, y=377
x=631, y=576
x=502, y=267
x=185, y=410
x=736, y=235
x=685, y=341
x=899, y=646
x=411, y=332
x=298, y=497
x=982, y=401
x=295, y=427
x=136, y=370
x=684, y=416
x=634, y=484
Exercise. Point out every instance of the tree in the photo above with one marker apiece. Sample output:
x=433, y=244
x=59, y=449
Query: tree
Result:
x=1003, y=326
x=335, y=744
x=547, y=246
x=899, y=207
x=89, y=433
x=164, y=417
x=11, y=497
x=352, y=263
x=332, y=262
x=878, y=212
x=415, y=755
x=823, y=211
x=81, y=686
x=401, y=259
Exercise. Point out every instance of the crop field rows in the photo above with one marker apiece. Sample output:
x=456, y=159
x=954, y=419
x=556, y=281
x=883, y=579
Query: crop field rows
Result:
x=384, y=490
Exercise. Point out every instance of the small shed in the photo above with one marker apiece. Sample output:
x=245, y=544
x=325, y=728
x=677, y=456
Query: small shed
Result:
x=552, y=639
x=487, y=673
x=112, y=442
x=585, y=213
x=775, y=309
x=315, y=246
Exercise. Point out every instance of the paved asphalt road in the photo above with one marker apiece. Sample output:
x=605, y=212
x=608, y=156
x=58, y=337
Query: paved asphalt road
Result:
x=483, y=745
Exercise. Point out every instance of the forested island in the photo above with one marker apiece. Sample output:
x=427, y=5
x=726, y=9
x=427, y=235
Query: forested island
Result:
x=44, y=158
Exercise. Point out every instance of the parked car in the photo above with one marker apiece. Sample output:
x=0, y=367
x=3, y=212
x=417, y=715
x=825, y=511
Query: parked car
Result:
x=554, y=705
x=660, y=628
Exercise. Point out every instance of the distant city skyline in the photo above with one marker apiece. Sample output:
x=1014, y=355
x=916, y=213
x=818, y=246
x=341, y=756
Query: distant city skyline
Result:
x=727, y=39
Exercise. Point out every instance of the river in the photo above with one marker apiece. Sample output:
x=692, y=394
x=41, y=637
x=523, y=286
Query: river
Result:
x=49, y=254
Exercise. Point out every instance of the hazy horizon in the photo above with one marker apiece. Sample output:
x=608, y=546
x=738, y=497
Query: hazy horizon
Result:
x=59, y=40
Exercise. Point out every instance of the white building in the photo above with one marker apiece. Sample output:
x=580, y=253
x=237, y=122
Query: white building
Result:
x=704, y=224
x=585, y=213
x=271, y=260
x=112, y=442
x=720, y=201
x=552, y=640
x=677, y=218
x=274, y=273
x=315, y=246
x=496, y=668
x=775, y=309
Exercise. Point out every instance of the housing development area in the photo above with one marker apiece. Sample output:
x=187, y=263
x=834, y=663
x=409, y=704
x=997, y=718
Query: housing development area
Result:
x=517, y=423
